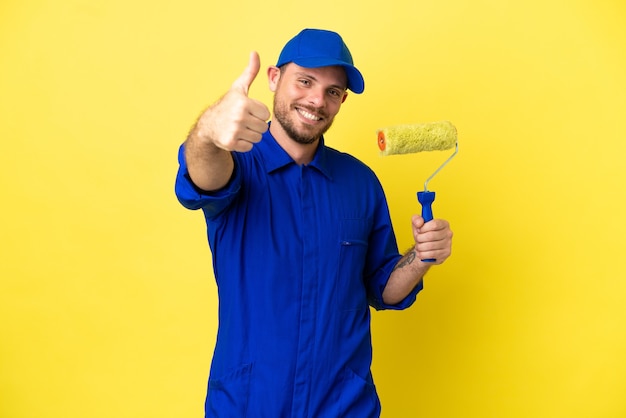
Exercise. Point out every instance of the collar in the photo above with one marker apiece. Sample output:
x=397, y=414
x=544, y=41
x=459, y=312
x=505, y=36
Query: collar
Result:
x=275, y=157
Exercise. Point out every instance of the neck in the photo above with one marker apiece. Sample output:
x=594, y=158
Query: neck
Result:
x=302, y=154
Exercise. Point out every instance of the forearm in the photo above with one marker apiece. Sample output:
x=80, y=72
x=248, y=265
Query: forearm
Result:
x=433, y=241
x=407, y=274
x=210, y=167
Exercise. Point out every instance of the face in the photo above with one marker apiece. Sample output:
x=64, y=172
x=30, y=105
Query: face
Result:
x=306, y=100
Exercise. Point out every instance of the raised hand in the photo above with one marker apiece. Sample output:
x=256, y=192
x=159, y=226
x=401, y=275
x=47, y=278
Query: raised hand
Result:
x=236, y=122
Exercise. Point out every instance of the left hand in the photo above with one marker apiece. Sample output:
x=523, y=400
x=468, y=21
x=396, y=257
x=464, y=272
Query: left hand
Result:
x=433, y=239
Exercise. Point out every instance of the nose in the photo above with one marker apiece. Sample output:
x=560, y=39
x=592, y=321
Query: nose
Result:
x=316, y=97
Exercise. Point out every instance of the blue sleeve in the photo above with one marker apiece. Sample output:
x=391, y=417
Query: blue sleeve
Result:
x=191, y=197
x=382, y=258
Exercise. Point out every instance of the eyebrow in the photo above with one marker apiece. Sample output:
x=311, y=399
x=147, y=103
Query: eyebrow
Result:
x=312, y=77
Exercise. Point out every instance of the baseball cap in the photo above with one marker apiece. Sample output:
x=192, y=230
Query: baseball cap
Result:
x=313, y=48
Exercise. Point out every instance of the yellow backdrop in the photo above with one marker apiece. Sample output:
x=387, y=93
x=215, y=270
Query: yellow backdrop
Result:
x=107, y=302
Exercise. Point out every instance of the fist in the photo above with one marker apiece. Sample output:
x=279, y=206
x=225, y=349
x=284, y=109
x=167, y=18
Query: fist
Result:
x=433, y=239
x=236, y=122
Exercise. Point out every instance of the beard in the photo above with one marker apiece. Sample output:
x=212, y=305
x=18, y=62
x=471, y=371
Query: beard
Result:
x=305, y=134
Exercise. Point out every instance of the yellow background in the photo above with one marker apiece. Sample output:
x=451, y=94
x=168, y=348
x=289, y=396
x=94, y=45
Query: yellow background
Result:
x=107, y=303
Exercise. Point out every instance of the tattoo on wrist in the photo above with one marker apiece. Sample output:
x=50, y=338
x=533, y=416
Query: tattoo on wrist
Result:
x=406, y=260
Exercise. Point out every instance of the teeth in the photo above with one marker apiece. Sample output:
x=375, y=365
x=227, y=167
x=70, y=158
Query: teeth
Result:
x=308, y=115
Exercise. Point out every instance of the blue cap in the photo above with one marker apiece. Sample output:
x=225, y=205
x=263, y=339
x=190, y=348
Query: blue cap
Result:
x=313, y=48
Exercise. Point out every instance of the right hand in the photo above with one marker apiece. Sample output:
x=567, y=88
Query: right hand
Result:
x=236, y=122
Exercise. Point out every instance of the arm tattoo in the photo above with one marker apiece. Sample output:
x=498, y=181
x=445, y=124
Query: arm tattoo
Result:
x=406, y=260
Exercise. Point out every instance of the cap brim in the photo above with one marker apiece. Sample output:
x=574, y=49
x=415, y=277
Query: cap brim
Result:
x=356, y=83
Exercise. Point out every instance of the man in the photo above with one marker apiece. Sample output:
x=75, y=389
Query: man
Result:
x=301, y=239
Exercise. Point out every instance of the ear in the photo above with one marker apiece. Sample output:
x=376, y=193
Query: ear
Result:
x=273, y=75
x=345, y=96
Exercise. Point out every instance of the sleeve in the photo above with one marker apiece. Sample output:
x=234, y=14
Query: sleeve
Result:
x=382, y=258
x=191, y=197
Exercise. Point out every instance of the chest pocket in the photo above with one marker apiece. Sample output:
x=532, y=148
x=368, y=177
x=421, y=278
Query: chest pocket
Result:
x=353, y=244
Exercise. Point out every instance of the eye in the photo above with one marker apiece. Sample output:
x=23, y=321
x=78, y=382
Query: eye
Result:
x=336, y=93
x=305, y=82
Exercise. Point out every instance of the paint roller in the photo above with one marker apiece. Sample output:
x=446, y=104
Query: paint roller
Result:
x=408, y=139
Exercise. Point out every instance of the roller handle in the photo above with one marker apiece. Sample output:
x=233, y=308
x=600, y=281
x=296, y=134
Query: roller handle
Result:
x=426, y=199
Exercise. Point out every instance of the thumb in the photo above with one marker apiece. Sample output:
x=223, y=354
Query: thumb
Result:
x=417, y=221
x=249, y=74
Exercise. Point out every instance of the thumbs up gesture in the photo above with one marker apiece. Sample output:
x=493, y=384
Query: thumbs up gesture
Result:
x=236, y=122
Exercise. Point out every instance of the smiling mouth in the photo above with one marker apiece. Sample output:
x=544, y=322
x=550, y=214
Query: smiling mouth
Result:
x=308, y=115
